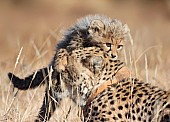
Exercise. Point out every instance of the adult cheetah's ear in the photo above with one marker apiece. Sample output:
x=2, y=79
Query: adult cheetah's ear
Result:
x=96, y=27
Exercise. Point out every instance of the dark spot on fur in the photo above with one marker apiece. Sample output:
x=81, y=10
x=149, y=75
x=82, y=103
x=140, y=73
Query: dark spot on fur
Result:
x=120, y=107
x=119, y=115
x=112, y=102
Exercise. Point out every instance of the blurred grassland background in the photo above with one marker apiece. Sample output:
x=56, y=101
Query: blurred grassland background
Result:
x=33, y=27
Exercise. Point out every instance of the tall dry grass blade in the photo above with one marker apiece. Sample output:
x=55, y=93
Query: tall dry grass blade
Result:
x=130, y=60
x=53, y=33
x=155, y=73
x=50, y=76
x=133, y=57
x=68, y=112
x=10, y=105
x=131, y=40
x=35, y=48
x=146, y=69
x=18, y=57
x=146, y=50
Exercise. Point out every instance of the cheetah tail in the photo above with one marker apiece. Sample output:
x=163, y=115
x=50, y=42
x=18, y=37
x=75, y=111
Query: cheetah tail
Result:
x=30, y=82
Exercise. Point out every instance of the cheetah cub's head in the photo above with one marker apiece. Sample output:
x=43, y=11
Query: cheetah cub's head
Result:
x=96, y=31
x=110, y=37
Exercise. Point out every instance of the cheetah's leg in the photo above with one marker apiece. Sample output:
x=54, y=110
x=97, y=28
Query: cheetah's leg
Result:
x=49, y=104
x=60, y=60
x=51, y=100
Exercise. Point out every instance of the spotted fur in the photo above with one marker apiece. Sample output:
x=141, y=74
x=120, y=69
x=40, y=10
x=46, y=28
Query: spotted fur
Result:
x=129, y=100
x=124, y=99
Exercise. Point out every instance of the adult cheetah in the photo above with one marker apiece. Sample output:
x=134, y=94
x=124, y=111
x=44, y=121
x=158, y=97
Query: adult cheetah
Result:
x=104, y=96
x=98, y=31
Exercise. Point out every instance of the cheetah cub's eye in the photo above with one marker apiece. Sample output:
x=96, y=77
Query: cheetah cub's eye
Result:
x=108, y=44
x=119, y=47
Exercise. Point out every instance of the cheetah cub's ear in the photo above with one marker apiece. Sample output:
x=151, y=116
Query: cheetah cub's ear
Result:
x=96, y=28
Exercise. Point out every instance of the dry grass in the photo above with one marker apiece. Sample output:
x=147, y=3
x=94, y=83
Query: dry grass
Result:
x=29, y=32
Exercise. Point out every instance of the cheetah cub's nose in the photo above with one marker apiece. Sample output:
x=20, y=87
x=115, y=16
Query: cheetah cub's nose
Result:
x=113, y=56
